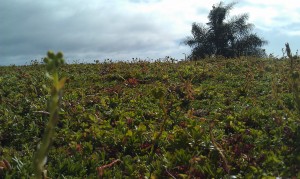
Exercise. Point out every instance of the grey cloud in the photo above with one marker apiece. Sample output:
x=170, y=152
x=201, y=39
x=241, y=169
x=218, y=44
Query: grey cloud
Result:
x=31, y=28
x=292, y=27
x=96, y=29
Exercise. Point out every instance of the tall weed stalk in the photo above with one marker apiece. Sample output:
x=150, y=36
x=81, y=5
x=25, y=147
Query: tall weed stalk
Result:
x=53, y=62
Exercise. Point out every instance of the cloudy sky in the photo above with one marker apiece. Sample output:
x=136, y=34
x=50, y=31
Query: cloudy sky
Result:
x=88, y=30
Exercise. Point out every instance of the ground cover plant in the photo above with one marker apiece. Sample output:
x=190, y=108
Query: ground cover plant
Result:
x=216, y=118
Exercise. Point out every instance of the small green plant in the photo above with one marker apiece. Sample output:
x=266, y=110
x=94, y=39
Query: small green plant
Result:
x=53, y=62
x=158, y=93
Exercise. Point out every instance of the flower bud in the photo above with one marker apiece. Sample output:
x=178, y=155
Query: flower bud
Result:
x=46, y=60
x=51, y=54
x=59, y=55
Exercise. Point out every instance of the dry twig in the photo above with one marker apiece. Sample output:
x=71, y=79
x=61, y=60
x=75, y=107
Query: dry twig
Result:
x=219, y=149
x=101, y=169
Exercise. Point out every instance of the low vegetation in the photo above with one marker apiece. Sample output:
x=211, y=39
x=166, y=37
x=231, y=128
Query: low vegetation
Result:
x=216, y=118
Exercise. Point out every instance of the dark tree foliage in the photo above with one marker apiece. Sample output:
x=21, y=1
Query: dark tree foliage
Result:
x=229, y=38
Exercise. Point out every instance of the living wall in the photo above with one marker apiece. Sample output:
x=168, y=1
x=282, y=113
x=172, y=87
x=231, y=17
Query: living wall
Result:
x=211, y=118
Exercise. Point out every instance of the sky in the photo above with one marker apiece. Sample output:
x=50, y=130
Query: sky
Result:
x=88, y=30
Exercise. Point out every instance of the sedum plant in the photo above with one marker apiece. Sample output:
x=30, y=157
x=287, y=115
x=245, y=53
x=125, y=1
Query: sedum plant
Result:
x=53, y=62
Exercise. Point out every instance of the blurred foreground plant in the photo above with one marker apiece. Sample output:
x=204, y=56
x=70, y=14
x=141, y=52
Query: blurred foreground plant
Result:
x=53, y=61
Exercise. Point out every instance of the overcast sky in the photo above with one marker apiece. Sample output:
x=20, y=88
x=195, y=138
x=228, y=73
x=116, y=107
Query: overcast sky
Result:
x=88, y=30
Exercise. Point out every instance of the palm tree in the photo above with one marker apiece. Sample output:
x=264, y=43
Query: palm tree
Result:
x=231, y=38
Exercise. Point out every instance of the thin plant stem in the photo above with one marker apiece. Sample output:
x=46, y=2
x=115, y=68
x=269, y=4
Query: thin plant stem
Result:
x=53, y=62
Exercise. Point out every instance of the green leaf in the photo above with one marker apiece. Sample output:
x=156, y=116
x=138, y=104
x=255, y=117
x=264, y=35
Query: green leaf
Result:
x=158, y=93
x=142, y=128
x=129, y=133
